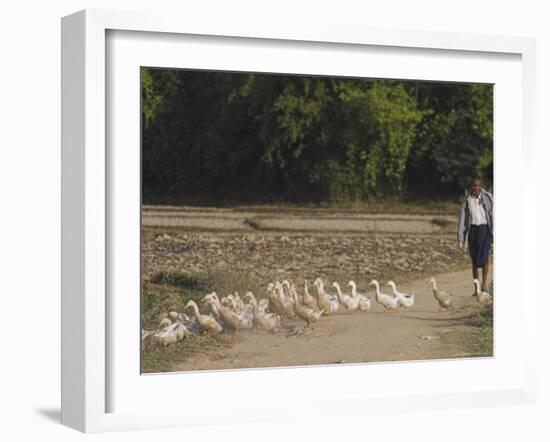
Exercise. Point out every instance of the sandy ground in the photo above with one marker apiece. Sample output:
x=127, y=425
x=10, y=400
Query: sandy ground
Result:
x=359, y=337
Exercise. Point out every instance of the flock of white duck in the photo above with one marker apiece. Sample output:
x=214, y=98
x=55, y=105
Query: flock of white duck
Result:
x=284, y=302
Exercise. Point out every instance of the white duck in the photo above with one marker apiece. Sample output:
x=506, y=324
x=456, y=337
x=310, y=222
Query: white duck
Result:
x=207, y=322
x=170, y=335
x=247, y=316
x=174, y=316
x=190, y=323
x=328, y=303
x=364, y=302
x=238, y=303
x=288, y=304
x=443, y=298
x=275, y=303
x=389, y=302
x=308, y=300
x=165, y=322
x=347, y=301
x=267, y=321
x=146, y=333
x=230, y=301
x=307, y=314
x=404, y=299
x=483, y=297
x=226, y=301
x=229, y=316
x=215, y=311
x=263, y=305
x=286, y=285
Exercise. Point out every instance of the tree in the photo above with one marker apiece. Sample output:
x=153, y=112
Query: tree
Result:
x=214, y=136
x=455, y=137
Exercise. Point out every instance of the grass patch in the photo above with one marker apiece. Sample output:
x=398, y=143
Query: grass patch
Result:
x=170, y=291
x=162, y=359
x=183, y=280
x=482, y=344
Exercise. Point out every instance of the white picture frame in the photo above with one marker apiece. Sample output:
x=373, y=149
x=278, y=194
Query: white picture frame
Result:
x=86, y=207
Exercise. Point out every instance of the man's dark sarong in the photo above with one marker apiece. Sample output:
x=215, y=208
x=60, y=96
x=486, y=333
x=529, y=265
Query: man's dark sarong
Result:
x=479, y=242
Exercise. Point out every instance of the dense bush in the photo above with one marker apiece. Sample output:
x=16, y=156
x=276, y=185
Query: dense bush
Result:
x=215, y=136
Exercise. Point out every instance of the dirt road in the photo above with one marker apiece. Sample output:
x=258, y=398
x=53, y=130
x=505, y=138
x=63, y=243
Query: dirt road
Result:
x=421, y=332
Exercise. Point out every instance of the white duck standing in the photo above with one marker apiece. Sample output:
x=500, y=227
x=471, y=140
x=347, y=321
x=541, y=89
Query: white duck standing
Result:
x=483, y=297
x=364, y=302
x=404, y=299
x=347, y=301
x=288, y=303
x=267, y=321
x=389, y=302
x=308, y=299
x=275, y=303
x=229, y=316
x=307, y=314
x=326, y=302
x=443, y=298
x=207, y=322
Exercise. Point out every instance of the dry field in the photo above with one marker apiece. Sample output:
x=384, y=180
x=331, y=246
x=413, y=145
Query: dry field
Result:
x=188, y=252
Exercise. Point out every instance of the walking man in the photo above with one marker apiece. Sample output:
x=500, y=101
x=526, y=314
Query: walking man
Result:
x=475, y=228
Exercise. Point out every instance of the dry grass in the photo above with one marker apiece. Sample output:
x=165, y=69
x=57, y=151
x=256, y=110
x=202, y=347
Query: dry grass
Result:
x=160, y=359
x=482, y=344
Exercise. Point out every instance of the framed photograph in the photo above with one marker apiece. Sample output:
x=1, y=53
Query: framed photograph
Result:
x=258, y=216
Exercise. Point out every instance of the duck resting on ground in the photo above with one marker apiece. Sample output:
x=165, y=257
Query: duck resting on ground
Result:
x=190, y=322
x=165, y=322
x=443, y=298
x=171, y=334
x=404, y=299
x=168, y=335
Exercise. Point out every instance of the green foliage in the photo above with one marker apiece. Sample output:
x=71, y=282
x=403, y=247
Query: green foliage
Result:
x=215, y=136
x=150, y=100
x=455, y=138
x=388, y=116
